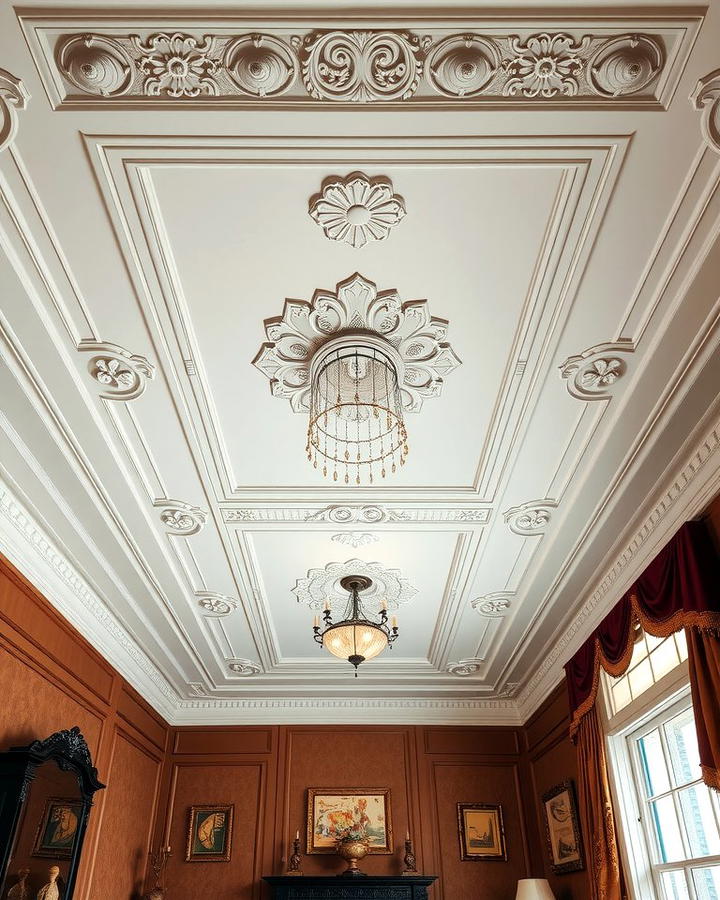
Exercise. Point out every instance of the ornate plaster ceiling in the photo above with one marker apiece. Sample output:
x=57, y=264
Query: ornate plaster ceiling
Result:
x=544, y=179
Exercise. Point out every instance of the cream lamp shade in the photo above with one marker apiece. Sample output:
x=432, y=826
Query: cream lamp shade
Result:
x=534, y=889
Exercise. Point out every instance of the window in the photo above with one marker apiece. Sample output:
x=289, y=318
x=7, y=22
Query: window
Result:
x=676, y=830
x=652, y=659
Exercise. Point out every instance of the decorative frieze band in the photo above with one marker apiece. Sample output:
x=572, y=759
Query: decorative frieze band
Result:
x=362, y=66
x=354, y=514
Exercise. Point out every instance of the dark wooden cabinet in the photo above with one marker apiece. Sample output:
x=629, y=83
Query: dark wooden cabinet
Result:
x=371, y=887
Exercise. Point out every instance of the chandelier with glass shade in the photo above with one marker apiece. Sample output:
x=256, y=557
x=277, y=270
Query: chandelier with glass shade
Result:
x=355, y=637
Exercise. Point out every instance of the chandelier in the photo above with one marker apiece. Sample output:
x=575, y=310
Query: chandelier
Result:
x=355, y=638
x=356, y=426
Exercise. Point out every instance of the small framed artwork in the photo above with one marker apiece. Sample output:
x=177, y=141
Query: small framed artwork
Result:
x=335, y=813
x=210, y=833
x=562, y=829
x=58, y=828
x=481, y=832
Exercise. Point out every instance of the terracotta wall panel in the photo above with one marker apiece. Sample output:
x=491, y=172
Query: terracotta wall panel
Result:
x=219, y=741
x=482, y=741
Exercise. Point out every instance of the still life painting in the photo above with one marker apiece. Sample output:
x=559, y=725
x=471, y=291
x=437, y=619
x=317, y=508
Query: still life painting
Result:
x=562, y=829
x=58, y=828
x=481, y=832
x=210, y=833
x=359, y=814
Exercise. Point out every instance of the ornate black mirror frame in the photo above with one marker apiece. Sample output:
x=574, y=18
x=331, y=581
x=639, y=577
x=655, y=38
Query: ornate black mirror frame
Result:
x=18, y=766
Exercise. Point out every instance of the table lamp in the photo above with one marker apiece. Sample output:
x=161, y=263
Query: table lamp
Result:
x=534, y=889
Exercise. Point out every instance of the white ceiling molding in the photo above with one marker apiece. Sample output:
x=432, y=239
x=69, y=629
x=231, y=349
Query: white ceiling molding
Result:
x=531, y=518
x=323, y=585
x=295, y=337
x=357, y=209
x=121, y=374
x=355, y=539
x=592, y=374
x=607, y=60
x=243, y=667
x=464, y=667
x=706, y=99
x=14, y=97
x=493, y=605
x=215, y=605
x=181, y=518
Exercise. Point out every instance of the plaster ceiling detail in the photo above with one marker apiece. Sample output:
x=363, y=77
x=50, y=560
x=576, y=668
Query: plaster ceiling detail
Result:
x=323, y=585
x=706, y=99
x=592, y=375
x=295, y=337
x=214, y=604
x=122, y=375
x=14, y=97
x=181, y=518
x=355, y=539
x=371, y=514
x=357, y=209
x=244, y=667
x=464, y=667
x=380, y=65
x=493, y=605
x=343, y=514
x=530, y=519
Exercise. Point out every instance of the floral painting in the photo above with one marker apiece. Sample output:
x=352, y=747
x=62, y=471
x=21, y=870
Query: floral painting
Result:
x=335, y=814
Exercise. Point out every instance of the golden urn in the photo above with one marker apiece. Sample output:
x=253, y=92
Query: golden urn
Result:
x=351, y=850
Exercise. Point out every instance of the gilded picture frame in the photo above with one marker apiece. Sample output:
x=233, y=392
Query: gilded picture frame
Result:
x=57, y=831
x=481, y=832
x=330, y=811
x=210, y=830
x=562, y=829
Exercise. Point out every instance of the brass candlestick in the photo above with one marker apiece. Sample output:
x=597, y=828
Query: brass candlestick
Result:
x=158, y=862
x=409, y=860
x=294, y=862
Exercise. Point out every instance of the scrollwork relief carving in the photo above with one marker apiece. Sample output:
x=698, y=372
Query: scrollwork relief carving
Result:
x=122, y=375
x=531, y=518
x=14, y=97
x=367, y=514
x=462, y=65
x=355, y=539
x=214, y=604
x=181, y=518
x=96, y=64
x=625, y=65
x=592, y=374
x=244, y=667
x=706, y=99
x=495, y=605
x=261, y=65
x=323, y=585
x=464, y=667
x=178, y=65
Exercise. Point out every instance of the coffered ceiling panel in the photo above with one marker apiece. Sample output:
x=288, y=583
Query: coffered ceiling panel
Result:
x=179, y=187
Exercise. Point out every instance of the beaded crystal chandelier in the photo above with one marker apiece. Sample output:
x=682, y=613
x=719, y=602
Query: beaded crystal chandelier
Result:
x=355, y=637
x=356, y=431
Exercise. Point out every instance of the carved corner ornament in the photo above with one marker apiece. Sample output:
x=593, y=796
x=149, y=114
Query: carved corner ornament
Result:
x=592, y=375
x=530, y=519
x=14, y=97
x=464, y=667
x=181, y=518
x=121, y=375
x=495, y=605
x=243, y=667
x=706, y=99
x=214, y=604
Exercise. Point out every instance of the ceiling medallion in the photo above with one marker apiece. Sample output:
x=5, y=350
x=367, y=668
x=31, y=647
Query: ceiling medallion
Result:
x=355, y=539
x=493, y=606
x=122, y=375
x=357, y=209
x=243, y=667
x=530, y=519
x=355, y=637
x=591, y=375
x=323, y=587
x=464, y=667
x=356, y=360
x=181, y=518
x=215, y=604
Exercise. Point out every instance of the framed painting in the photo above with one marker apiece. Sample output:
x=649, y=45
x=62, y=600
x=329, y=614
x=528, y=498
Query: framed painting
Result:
x=562, y=829
x=335, y=813
x=481, y=832
x=210, y=833
x=58, y=828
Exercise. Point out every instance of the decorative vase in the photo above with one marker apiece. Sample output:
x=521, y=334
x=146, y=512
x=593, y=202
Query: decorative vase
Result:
x=351, y=850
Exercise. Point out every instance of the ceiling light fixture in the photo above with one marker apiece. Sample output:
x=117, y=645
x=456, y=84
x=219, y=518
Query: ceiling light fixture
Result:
x=356, y=425
x=355, y=638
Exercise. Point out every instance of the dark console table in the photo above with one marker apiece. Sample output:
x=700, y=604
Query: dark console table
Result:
x=372, y=887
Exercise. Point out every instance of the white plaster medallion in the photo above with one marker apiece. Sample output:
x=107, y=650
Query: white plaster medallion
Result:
x=545, y=65
x=321, y=585
x=355, y=539
x=261, y=65
x=625, y=65
x=464, y=667
x=357, y=209
x=243, y=667
x=122, y=375
x=96, y=64
x=592, y=374
x=493, y=606
x=462, y=65
x=181, y=518
x=214, y=604
x=530, y=519
x=178, y=65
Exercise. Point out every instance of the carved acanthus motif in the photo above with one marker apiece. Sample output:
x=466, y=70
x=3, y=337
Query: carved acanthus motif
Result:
x=181, y=518
x=462, y=65
x=244, y=667
x=294, y=337
x=13, y=98
x=545, y=65
x=592, y=374
x=361, y=66
x=215, y=604
x=261, y=65
x=531, y=518
x=495, y=605
x=369, y=515
x=357, y=209
x=122, y=375
x=96, y=64
x=362, y=514
x=178, y=65
x=706, y=99
x=323, y=585
x=464, y=667
x=355, y=539
x=625, y=65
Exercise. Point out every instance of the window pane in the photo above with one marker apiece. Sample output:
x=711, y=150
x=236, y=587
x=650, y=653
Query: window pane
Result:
x=653, y=641
x=707, y=883
x=699, y=821
x=667, y=830
x=675, y=885
x=682, y=743
x=664, y=658
x=621, y=695
x=640, y=678
x=681, y=642
x=652, y=758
